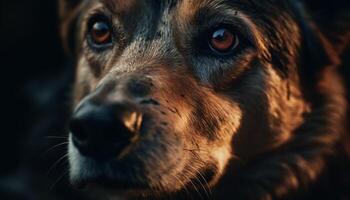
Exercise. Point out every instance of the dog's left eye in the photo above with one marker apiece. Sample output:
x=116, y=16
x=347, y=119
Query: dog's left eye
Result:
x=222, y=40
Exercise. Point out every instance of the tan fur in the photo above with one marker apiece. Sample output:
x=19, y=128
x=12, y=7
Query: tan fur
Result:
x=258, y=124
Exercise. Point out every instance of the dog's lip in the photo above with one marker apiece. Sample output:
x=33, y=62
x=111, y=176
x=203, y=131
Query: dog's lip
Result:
x=109, y=184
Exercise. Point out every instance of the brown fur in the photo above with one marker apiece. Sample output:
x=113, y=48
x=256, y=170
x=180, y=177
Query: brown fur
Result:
x=262, y=124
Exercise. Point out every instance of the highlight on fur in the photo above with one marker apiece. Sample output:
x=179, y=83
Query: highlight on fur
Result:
x=264, y=121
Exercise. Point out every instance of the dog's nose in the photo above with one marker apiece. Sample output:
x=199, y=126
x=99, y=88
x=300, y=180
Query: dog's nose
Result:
x=104, y=131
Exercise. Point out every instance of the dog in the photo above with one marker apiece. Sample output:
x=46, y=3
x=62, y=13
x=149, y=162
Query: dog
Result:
x=203, y=99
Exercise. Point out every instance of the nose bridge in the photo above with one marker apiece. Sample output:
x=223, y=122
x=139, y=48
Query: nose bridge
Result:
x=119, y=88
x=146, y=53
x=101, y=94
x=149, y=46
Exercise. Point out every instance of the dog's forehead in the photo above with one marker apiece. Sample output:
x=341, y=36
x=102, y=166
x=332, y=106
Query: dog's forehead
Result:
x=155, y=11
x=182, y=8
x=163, y=29
x=130, y=6
x=150, y=16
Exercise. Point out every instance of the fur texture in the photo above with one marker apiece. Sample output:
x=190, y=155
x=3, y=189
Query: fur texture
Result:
x=263, y=123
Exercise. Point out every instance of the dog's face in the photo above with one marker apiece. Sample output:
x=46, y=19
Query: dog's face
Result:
x=168, y=92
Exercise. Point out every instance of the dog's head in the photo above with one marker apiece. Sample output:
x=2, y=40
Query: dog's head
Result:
x=168, y=92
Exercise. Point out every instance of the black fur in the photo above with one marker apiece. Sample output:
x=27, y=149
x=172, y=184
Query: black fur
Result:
x=286, y=89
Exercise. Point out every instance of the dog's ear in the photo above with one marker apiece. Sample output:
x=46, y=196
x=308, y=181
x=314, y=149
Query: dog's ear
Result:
x=317, y=51
x=333, y=19
x=68, y=12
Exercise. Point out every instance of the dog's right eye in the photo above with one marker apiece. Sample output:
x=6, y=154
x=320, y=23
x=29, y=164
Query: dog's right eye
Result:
x=100, y=33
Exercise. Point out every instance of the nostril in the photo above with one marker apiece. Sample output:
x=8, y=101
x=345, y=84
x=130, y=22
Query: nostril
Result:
x=132, y=121
x=79, y=131
x=103, y=131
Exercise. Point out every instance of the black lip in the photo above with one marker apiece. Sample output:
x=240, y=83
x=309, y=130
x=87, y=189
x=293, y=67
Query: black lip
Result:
x=105, y=154
x=108, y=183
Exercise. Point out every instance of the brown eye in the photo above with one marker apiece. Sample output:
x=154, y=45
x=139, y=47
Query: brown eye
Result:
x=222, y=40
x=101, y=33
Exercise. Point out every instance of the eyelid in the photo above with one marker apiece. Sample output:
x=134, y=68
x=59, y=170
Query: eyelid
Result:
x=98, y=16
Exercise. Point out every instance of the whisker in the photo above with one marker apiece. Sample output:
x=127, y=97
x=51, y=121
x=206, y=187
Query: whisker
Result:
x=206, y=183
x=55, y=146
x=56, y=163
x=192, y=150
x=56, y=137
x=58, y=179
x=194, y=186
x=205, y=188
x=238, y=160
x=183, y=185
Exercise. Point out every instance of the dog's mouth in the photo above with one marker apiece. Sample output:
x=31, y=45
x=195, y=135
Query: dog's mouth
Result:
x=107, y=183
x=139, y=175
x=97, y=176
x=129, y=187
x=141, y=171
x=114, y=188
x=167, y=157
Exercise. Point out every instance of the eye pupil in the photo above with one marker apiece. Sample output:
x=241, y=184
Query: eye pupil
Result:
x=222, y=40
x=101, y=33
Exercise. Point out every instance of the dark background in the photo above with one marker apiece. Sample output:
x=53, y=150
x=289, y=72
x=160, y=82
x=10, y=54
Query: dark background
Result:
x=35, y=89
x=36, y=82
